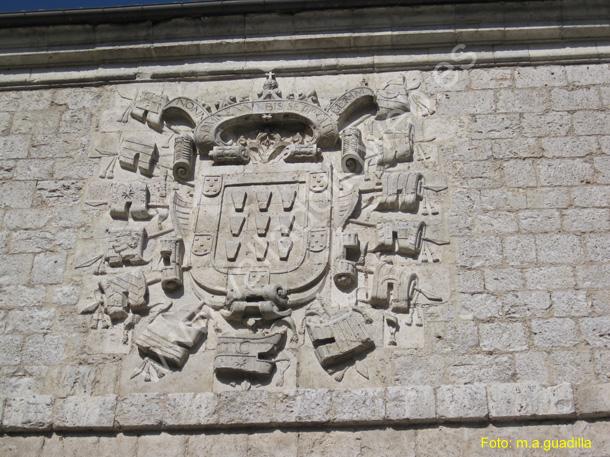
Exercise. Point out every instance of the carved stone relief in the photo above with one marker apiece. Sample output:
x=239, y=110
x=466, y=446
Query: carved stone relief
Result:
x=266, y=224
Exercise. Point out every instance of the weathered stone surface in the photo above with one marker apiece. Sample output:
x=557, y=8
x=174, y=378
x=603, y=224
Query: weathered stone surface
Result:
x=515, y=401
x=189, y=410
x=140, y=411
x=557, y=332
x=162, y=445
x=358, y=405
x=225, y=444
x=313, y=405
x=15, y=446
x=410, y=404
x=48, y=268
x=461, y=403
x=532, y=367
x=85, y=413
x=596, y=331
x=11, y=354
x=33, y=413
x=503, y=337
x=46, y=349
x=540, y=76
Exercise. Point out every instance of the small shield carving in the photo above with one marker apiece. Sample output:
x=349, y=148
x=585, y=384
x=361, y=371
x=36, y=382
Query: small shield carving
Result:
x=318, y=240
x=318, y=182
x=202, y=244
x=284, y=248
x=212, y=185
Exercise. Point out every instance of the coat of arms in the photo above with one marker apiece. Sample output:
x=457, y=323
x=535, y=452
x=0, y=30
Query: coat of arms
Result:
x=268, y=217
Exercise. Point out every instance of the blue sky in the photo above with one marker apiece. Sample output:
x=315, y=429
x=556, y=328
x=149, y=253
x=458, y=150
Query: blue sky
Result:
x=9, y=6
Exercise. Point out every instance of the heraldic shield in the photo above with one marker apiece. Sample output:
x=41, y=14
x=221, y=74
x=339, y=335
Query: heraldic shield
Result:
x=253, y=231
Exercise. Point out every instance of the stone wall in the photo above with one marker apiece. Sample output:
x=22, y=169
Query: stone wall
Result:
x=522, y=333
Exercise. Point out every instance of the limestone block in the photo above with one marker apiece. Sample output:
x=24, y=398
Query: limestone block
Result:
x=140, y=411
x=255, y=407
x=116, y=445
x=357, y=405
x=18, y=446
x=548, y=197
x=161, y=445
x=570, y=303
x=461, y=402
x=577, y=99
x=491, y=78
x=48, y=268
x=32, y=413
x=519, y=249
x=30, y=320
x=592, y=123
x=593, y=276
x=549, y=124
x=542, y=76
x=495, y=126
x=532, y=367
x=410, y=404
x=313, y=405
x=596, y=331
x=519, y=173
x=564, y=172
x=529, y=400
x=38, y=121
x=273, y=444
x=503, y=279
x=476, y=252
x=222, y=444
x=44, y=349
x=522, y=100
x=14, y=147
x=54, y=145
x=74, y=121
x=11, y=349
x=84, y=412
x=479, y=368
x=16, y=194
x=548, y=278
x=591, y=196
x=575, y=366
x=335, y=443
x=586, y=220
x=500, y=337
x=558, y=248
x=184, y=410
x=584, y=75
x=555, y=332
x=387, y=443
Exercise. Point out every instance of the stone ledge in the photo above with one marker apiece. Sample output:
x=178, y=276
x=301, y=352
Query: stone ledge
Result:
x=379, y=39
x=306, y=407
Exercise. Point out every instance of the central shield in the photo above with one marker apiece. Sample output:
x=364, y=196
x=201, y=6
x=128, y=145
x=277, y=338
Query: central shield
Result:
x=254, y=230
